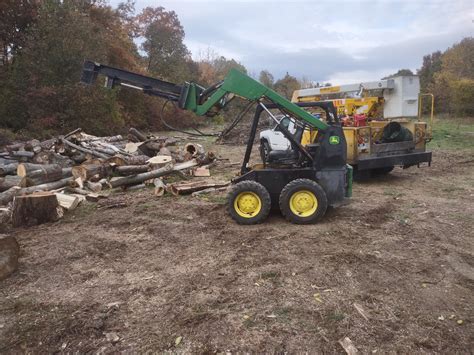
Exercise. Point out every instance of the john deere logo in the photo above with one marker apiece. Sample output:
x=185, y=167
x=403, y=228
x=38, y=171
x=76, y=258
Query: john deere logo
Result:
x=334, y=140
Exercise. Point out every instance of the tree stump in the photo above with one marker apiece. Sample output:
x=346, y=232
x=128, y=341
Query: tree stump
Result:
x=9, y=253
x=34, y=209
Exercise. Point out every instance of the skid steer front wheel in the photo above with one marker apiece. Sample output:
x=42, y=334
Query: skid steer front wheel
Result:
x=248, y=202
x=303, y=201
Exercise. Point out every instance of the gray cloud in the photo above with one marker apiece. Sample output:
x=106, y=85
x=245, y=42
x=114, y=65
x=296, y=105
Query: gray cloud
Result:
x=323, y=40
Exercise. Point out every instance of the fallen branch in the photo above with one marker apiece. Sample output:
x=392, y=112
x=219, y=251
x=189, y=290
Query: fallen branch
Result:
x=84, y=150
x=138, y=179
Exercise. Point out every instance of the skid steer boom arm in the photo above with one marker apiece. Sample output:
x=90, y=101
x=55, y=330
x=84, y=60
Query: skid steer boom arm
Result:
x=193, y=97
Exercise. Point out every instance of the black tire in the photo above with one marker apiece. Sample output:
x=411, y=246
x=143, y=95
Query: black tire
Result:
x=382, y=171
x=264, y=150
x=296, y=186
x=254, y=188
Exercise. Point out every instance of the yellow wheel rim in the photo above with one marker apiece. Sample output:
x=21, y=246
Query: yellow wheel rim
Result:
x=303, y=203
x=247, y=204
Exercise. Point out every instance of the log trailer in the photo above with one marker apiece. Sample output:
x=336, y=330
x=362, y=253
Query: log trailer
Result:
x=302, y=181
x=381, y=121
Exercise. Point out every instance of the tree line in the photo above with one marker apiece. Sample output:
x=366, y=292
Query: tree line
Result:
x=44, y=42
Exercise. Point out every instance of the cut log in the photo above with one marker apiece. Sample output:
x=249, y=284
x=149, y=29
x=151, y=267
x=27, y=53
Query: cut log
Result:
x=94, y=186
x=137, y=179
x=137, y=160
x=34, y=209
x=160, y=187
x=8, y=169
x=183, y=188
x=26, y=169
x=159, y=161
x=22, y=154
x=49, y=157
x=88, y=171
x=132, y=147
x=33, y=146
x=41, y=175
x=68, y=202
x=9, y=181
x=116, y=160
x=7, y=196
x=139, y=135
x=194, y=149
x=14, y=147
x=131, y=169
x=9, y=254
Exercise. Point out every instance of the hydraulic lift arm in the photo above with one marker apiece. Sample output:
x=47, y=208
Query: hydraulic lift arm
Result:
x=193, y=97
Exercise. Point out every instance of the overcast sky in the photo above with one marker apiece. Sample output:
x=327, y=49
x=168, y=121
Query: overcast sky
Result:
x=335, y=41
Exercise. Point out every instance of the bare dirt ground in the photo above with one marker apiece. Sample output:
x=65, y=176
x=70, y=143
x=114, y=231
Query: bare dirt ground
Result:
x=177, y=274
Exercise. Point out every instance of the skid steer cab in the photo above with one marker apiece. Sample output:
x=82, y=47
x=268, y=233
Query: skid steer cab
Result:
x=301, y=181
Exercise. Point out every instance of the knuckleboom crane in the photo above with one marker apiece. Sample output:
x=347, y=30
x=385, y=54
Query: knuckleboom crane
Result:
x=302, y=182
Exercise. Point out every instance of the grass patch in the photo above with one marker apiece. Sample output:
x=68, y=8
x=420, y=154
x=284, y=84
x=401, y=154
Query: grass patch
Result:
x=392, y=192
x=453, y=133
x=336, y=316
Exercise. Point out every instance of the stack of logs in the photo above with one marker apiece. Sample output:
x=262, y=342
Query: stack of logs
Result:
x=60, y=172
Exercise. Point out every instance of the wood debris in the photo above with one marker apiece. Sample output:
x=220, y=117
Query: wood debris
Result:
x=78, y=166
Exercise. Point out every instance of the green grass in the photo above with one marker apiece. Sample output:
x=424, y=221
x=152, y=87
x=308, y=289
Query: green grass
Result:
x=453, y=133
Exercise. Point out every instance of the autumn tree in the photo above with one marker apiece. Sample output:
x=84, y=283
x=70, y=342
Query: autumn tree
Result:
x=16, y=17
x=287, y=85
x=266, y=78
x=166, y=54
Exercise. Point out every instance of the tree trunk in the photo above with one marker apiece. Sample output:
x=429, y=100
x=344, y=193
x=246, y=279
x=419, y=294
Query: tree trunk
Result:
x=7, y=196
x=34, y=174
x=137, y=179
x=8, y=169
x=137, y=160
x=34, y=209
x=9, y=253
x=9, y=181
x=88, y=171
x=131, y=169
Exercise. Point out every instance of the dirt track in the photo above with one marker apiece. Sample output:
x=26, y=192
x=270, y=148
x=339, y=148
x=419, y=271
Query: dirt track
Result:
x=152, y=270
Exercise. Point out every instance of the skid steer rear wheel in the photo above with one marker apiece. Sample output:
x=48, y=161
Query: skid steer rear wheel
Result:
x=303, y=201
x=248, y=202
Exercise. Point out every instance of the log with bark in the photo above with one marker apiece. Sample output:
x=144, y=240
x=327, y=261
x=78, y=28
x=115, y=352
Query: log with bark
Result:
x=137, y=134
x=7, y=196
x=137, y=179
x=35, y=174
x=91, y=171
x=34, y=209
x=9, y=181
x=85, y=150
x=137, y=160
x=9, y=254
x=183, y=188
x=131, y=169
x=8, y=169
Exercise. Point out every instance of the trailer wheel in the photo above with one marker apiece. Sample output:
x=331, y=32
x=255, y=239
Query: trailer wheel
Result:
x=248, y=202
x=303, y=201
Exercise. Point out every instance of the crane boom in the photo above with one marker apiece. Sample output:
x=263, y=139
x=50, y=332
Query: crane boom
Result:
x=193, y=97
